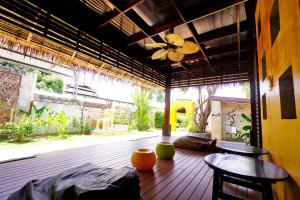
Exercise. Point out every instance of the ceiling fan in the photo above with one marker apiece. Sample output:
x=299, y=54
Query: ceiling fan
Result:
x=175, y=48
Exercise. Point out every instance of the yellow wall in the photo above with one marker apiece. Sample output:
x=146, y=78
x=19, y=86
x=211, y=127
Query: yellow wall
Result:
x=189, y=106
x=281, y=136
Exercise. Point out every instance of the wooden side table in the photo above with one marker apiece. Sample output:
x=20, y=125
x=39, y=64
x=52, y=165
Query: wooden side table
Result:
x=245, y=171
x=241, y=149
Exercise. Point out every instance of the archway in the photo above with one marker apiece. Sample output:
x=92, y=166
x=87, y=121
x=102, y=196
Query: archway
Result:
x=188, y=106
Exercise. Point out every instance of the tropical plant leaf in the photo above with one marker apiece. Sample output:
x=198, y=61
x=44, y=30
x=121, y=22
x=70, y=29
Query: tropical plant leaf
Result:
x=245, y=117
x=246, y=128
x=246, y=134
x=24, y=112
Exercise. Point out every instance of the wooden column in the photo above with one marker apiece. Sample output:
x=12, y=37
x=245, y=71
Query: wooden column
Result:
x=255, y=134
x=167, y=127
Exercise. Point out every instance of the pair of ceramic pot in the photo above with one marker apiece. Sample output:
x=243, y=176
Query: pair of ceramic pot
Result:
x=145, y=159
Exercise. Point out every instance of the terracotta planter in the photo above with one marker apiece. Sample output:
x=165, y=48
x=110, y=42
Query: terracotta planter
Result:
x=143, y=159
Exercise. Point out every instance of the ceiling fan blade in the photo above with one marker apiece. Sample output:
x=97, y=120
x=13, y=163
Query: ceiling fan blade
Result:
x=159, y=54
x=188, y=47
x=156, y=45
x=175, y=56
x=174, y=39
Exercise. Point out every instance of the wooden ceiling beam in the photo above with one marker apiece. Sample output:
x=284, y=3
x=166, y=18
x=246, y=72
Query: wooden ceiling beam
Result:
x=107, y=18
x=198, y=14
x=224, y=31
x=154, y=32
x=179, y=8
x=230, y=48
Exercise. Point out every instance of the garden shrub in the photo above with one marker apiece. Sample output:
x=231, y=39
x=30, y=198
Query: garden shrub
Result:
x=159, y=119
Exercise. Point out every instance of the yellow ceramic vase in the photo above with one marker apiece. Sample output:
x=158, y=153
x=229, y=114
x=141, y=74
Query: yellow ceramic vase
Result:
x=143, y=159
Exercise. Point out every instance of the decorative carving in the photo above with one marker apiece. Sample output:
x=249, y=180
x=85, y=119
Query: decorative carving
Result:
x=9, y=93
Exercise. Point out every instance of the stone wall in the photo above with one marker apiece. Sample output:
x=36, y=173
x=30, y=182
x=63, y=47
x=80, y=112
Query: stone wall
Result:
x=27, y=89
x=226, y=118
x=58, y=104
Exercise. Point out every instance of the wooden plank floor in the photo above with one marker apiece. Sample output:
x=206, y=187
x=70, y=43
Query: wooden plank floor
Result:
x=184, y=177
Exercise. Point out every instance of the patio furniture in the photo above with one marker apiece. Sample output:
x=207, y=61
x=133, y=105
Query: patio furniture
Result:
x=143, y=159
x=240, y=149
x=196, y=143
x=245, y=171
x=86, y=182
x=165, y=150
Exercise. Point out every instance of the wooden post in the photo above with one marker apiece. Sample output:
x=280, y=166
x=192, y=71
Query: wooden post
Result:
x=255, y=134
x=167, y=127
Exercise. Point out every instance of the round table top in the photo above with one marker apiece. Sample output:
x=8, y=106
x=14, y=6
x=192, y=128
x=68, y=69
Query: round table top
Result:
x=246, y=167
x=241, y=149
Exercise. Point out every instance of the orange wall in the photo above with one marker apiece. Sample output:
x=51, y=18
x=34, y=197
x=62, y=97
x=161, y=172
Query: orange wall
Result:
x=281, y=136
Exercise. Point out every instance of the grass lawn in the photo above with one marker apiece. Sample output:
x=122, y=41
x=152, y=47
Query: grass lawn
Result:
x=14, y=150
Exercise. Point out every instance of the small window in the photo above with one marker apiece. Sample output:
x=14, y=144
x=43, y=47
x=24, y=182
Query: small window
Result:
x=287, y=95
x=258, y=26
x=274, y=21
x=264, y=106
x=264, y=66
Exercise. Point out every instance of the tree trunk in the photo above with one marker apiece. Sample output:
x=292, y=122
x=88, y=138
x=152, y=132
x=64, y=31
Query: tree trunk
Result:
x=204, y=113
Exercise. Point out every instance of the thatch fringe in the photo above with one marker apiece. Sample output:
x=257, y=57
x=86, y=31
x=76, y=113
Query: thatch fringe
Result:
x=48, y=50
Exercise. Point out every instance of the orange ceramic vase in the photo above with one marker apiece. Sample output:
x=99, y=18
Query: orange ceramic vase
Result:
x=143, y=159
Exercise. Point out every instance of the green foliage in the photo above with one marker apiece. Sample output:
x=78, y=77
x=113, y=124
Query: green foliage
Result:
x=39, y=111
x=159, y=119
x=181, y=122
x=121, y=118
x=193, y=128
x=244, y=134
x=61, y=121
x=1, y=104
x=16, y=67
x=245, y=117
x=49, y=83
x=24, y=128
x=49, y=120
x=142, y=114
x=86, y=127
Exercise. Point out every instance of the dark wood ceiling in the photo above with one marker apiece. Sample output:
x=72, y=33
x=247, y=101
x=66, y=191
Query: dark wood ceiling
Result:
x=225, y=53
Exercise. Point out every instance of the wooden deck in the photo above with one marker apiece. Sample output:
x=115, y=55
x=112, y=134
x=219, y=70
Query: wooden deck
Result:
x=186, y=177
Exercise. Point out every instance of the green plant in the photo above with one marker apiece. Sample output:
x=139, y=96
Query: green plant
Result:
x=61, y=121
x=86, y=127
x=39, y=111
x=181, y=122
x=193, y=129
x=25, y=127
x=245, y=132
x=159, y=119
x=50, y=83
x=49, y=120
x=142, y=114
